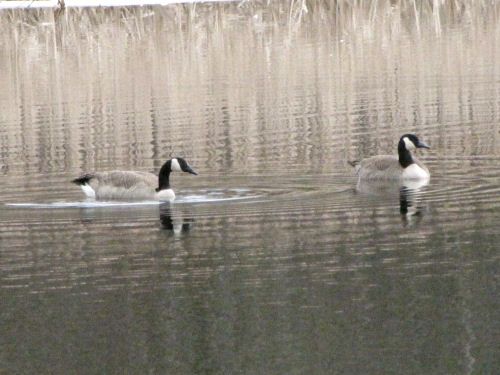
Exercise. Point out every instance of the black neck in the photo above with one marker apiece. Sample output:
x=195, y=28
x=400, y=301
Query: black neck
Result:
x=405, y=158
x=164, y=176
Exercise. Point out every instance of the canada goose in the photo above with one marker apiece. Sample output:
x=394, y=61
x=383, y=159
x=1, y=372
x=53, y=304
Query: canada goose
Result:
x=133, y=184
x=388, y=167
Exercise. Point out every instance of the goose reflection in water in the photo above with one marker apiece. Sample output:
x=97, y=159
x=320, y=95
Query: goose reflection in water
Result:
x=410, y=193
x=174, y=222
x=411, y=205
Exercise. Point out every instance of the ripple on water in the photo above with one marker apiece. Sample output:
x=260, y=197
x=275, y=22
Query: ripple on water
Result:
x=193, y=196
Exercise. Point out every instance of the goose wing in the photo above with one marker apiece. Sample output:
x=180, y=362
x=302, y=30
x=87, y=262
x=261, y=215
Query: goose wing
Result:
x=381, y=167
x=126, y=179
x=124, y=184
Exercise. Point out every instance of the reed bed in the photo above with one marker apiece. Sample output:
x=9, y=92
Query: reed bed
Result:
x=418, y=16
x=171, y=76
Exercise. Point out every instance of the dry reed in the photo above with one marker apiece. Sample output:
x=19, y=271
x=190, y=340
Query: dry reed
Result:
x=108, y=69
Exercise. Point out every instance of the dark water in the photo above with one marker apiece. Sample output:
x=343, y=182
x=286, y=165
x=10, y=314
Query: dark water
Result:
x=270, y=261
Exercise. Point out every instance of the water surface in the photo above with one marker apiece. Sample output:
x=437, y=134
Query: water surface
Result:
x=272, y=260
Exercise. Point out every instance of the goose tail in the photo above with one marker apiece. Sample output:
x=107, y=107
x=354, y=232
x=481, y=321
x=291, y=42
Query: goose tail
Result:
x=83, y=179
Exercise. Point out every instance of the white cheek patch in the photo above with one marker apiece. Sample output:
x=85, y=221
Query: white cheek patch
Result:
x=175, y=166
x=408, y=144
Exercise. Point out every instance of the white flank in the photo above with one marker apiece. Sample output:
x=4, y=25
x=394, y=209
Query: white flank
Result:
x=89, y=192
x=175, y=166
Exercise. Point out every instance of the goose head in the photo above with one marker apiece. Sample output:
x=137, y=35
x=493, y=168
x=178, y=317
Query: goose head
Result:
x=411, y=142
x=180, y=165
x=407, y=144
x=172, y=165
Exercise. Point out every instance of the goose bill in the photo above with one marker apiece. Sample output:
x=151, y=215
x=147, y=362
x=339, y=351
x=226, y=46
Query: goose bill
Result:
x=422, y=145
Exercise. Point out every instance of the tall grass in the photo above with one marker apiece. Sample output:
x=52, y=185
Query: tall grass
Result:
x=344, y=15
x=133, y=77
